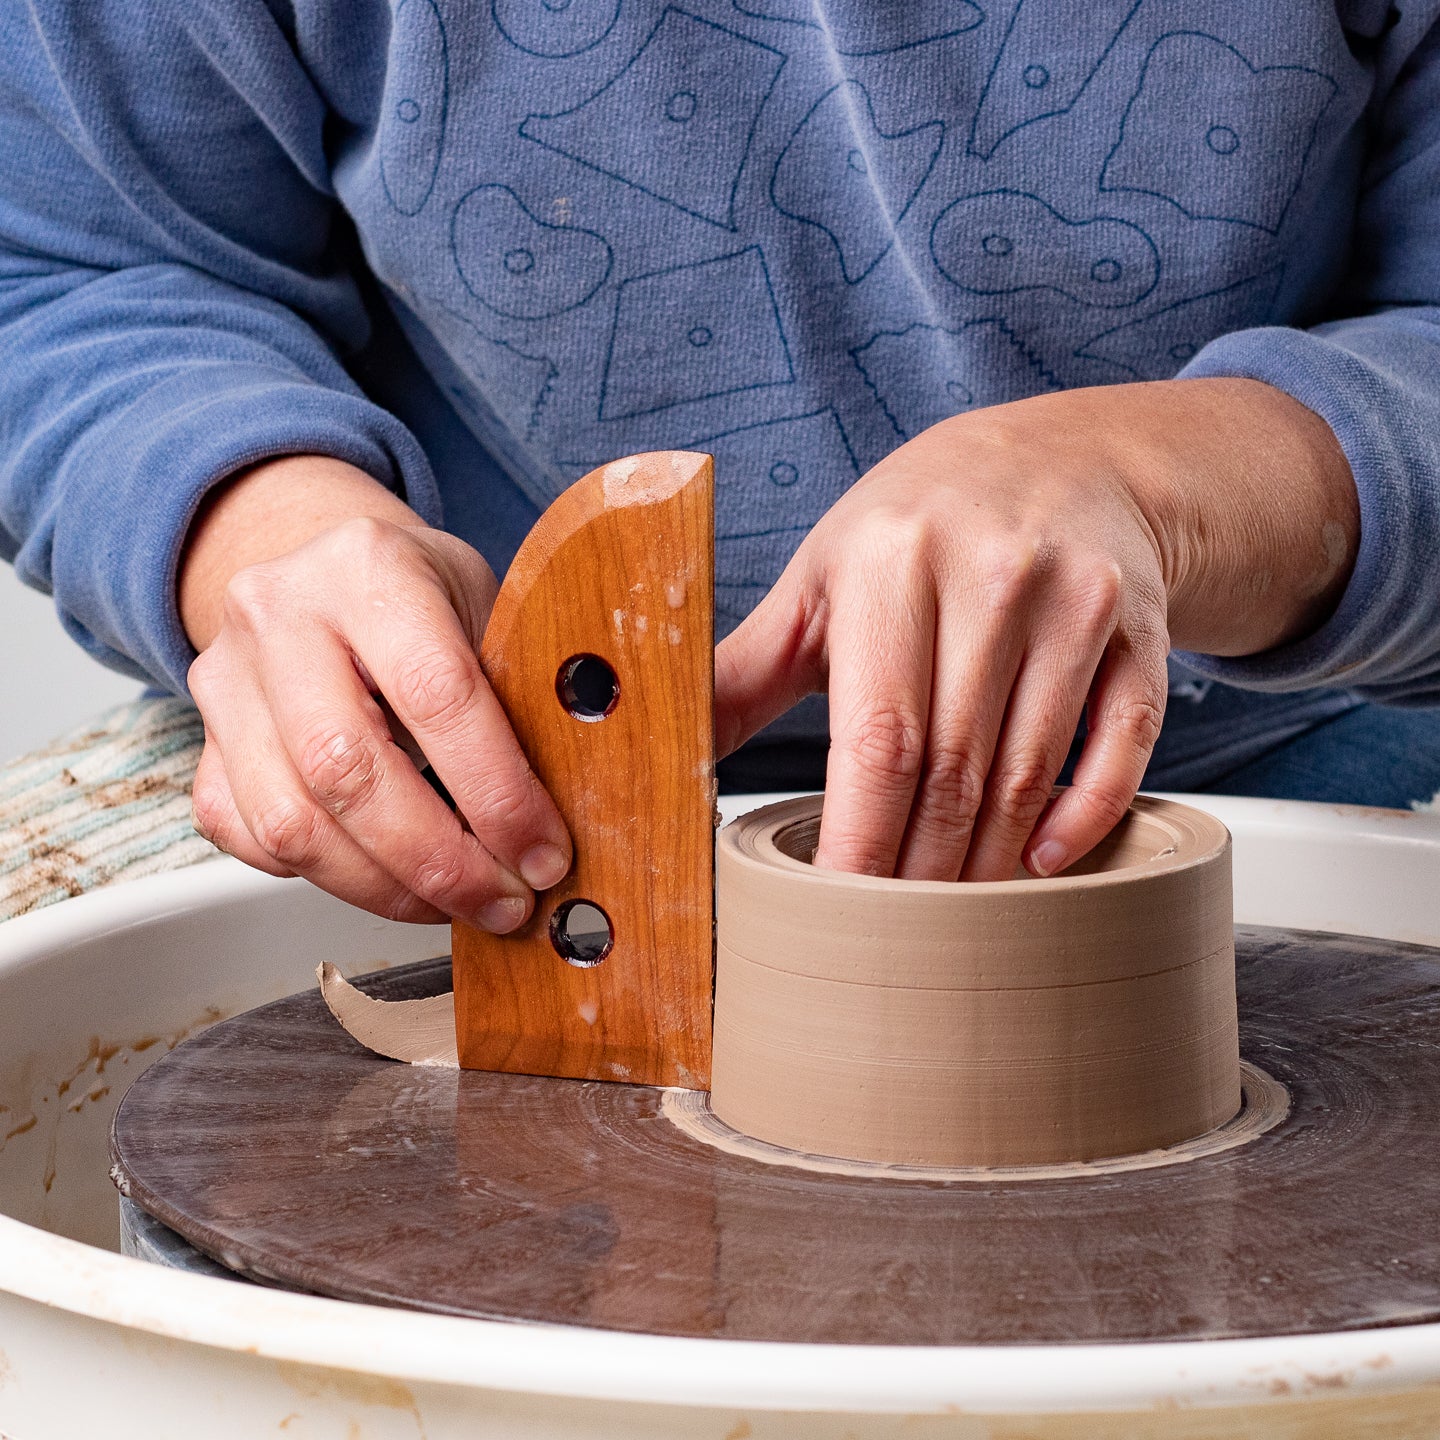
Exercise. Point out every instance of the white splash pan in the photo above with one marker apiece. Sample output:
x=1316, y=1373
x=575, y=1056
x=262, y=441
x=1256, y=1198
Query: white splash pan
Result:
x=91, y=1342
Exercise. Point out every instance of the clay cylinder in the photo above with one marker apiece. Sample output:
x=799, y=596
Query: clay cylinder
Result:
x=1019, y=1022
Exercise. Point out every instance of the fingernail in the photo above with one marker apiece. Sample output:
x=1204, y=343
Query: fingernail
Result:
x=1047, y=857
x=500, y=917
x=543, y=866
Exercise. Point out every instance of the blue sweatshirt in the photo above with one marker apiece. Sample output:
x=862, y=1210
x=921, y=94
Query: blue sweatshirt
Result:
x=477, y=247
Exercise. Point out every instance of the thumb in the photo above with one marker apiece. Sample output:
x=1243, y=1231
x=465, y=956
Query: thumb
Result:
x=771, y=661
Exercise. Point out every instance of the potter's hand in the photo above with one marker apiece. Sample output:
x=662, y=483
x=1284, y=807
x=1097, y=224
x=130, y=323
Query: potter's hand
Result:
x=307, y=622
x=1012, y=567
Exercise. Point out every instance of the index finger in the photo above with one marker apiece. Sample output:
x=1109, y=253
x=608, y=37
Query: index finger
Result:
x=425, y=667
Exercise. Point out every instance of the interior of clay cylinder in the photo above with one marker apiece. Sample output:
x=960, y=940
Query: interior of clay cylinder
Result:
x=1138, y=838
x=1081, y=1016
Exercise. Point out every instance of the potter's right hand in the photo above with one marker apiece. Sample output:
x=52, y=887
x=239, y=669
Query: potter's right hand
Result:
x=331, y=647
x=1014, y=567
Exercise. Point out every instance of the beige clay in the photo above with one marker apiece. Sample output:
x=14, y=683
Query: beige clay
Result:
x=1022, y=1022
x=419, y=1032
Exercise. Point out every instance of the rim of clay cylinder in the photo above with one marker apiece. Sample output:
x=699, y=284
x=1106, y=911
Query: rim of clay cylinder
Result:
x=1194, y=838
x=1140, y=903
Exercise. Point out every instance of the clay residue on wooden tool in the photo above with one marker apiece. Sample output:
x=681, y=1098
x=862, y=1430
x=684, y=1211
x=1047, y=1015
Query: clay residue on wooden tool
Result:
x=1015, y=1023
x=419, y=1032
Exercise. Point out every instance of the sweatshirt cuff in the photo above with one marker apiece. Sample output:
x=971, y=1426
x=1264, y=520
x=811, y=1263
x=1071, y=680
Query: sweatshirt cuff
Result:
x=1383, y=429
x=137, y=479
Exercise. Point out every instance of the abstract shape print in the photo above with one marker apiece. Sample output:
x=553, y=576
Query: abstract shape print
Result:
x=1042, y=67
x=876, y=27
x=1002, y=241
x=692, y=332
x=677, y=121
x=1156, y=346
x=925, y=373
x=412, y=109
x=841, y=172
x=777, y=477
x=1219, y=137
x=555, y=29
x=521, y=267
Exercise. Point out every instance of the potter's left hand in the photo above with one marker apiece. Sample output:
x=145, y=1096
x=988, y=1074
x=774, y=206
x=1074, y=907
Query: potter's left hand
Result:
x=1013, y=567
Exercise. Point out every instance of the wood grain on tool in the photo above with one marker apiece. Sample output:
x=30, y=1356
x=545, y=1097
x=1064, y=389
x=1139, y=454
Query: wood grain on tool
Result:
x=1018, y=1022
x=276, y=1141
x=620, y=569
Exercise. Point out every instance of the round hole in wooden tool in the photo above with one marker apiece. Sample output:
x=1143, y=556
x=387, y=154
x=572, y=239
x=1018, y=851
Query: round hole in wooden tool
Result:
x=1012, y=1023
x=588, y=688
x=581, y=933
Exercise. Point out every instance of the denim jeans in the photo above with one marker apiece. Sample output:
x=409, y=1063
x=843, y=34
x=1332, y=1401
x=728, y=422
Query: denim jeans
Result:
x=1372, y=755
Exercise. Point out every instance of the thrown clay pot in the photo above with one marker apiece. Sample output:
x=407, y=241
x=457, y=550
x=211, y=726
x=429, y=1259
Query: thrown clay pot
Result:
x=1086, y=1015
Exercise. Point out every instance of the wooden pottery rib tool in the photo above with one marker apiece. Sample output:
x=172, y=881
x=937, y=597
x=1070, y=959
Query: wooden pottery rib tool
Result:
x=600, y=648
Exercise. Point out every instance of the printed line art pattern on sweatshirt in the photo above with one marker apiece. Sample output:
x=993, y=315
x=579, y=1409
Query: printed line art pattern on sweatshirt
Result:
x=519, y=266
x=516, y=383
x=691, y=332
x=1155, y=346
x=882, y=27
x=677, y=122
x=999, y=242
x=842, y=173
x=555, y=29
x=1038, y=72
x=1201, y=113
x=796, y=466
x=414, y=105
x=920, y=375
x=607, y=320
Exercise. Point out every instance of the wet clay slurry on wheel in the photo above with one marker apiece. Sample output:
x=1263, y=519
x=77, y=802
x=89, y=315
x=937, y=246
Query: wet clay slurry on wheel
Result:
x=1264, y=1104
x=1018, y=1023
x=277, y=1142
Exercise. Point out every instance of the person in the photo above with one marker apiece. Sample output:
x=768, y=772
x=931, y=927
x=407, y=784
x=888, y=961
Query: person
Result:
x=1034, y=341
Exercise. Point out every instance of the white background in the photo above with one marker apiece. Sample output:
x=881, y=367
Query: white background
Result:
x=47, y=682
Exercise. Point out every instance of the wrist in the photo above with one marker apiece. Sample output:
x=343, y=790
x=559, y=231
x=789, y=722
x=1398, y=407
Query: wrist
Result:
x=266, y=511
x=1252, y=505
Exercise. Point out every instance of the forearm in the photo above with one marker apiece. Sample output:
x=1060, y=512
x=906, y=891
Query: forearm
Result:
x=266, y=511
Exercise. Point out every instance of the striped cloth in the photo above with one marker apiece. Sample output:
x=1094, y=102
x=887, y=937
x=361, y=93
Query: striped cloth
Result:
x=109, y=801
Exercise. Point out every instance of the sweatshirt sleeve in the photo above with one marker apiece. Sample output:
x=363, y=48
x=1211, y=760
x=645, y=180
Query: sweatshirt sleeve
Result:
x=1375, y=378
x=175, y=301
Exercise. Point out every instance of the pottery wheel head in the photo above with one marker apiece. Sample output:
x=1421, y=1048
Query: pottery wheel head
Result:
x=277, y=1144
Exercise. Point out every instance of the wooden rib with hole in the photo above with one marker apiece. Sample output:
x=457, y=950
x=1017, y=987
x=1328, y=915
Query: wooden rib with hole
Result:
x=621, y=567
